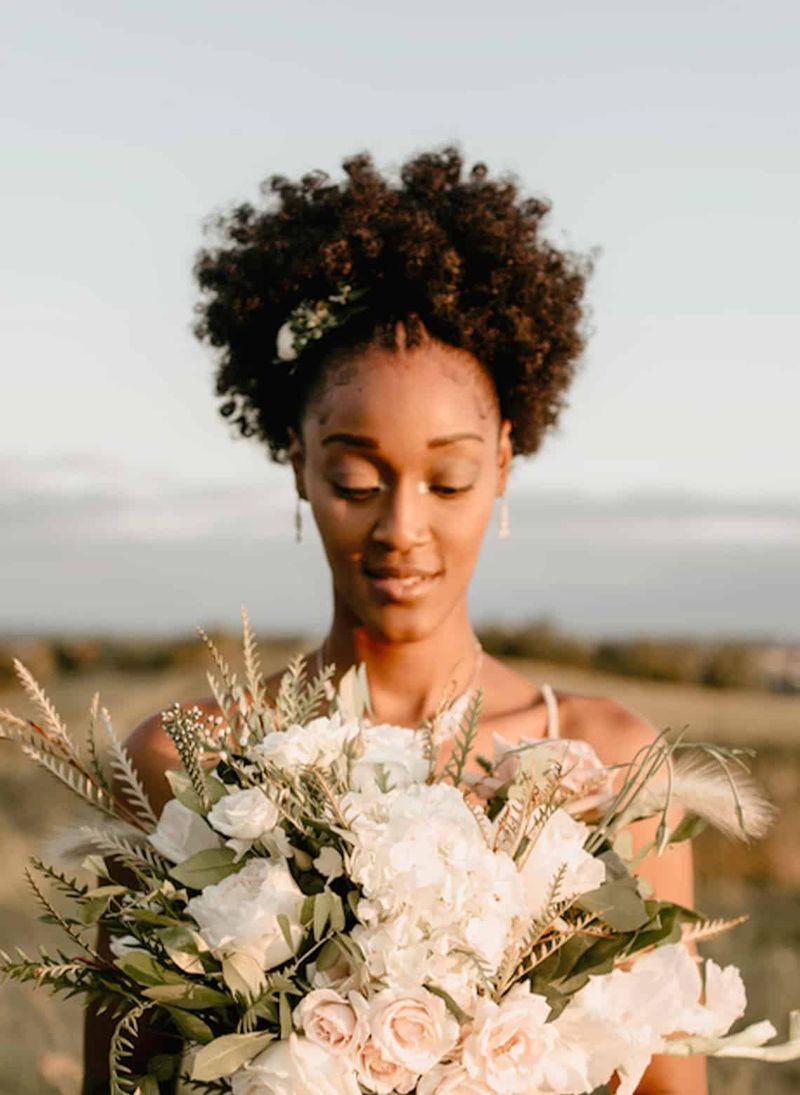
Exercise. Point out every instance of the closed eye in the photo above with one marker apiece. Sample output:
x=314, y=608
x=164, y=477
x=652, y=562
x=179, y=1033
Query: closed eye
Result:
x=448, y=492
x=356, y=494
x=364, y=494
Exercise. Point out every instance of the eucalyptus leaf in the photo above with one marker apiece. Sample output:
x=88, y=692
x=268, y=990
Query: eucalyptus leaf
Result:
x=328, y=956
x=226, y=1054
x=190, y=1026
x=145, y=970
x=618, y=903
x=206, y=868
x=243, y=975
x=322, y=908
x=285, y=1015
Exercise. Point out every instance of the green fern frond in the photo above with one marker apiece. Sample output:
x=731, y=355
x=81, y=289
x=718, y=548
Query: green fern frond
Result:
x=70, y=927
x=128, y=778
x=123, y=1045
x=464, y=740
x=70, y=887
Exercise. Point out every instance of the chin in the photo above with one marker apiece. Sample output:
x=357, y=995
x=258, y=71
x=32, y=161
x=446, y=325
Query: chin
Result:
x=397, y=623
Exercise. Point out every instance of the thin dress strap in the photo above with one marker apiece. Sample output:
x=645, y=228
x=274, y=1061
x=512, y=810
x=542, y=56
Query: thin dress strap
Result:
x=552, y=711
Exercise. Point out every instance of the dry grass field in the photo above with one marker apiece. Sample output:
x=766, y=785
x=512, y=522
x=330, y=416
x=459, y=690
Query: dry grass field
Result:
x=40, y=1037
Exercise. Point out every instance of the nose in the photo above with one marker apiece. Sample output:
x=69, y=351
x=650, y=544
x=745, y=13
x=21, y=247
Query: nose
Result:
x=403, y=521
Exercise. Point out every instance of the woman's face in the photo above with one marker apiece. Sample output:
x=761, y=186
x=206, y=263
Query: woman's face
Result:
x=401, y=457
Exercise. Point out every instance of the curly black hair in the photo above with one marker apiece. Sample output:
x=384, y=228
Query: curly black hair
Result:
x=447, y=253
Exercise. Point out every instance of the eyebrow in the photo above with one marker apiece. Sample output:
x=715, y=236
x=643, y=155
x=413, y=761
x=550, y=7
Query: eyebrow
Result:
x=362, y=442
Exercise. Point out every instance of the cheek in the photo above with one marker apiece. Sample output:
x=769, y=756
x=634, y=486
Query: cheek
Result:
x=343, y=528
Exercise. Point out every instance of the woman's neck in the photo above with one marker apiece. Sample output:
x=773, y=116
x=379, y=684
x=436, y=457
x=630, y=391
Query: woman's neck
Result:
x=407, y=680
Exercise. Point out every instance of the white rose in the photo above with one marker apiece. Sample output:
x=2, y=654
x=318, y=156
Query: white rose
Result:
x=328, y=1020
x=244, y=815
x=380, y=1075
x=451, y=1080
x=392, y=754
x=295, y=1066
x=181, y=833
x=412, y=1027
x=559, y=845
x=513, y=1049
x=239, y=915
x=320, y=742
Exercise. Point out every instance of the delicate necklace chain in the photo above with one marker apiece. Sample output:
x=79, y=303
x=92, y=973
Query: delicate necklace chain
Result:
x=453, y=712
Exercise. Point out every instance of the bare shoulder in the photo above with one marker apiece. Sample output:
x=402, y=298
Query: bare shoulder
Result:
x=616, y=732
x=516, y=708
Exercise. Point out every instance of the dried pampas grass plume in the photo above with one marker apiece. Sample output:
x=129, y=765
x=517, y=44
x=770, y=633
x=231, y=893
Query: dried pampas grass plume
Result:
x=724, y=795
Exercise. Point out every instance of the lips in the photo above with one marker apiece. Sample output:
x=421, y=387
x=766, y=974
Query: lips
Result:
x=398, y=572
x=401, y=584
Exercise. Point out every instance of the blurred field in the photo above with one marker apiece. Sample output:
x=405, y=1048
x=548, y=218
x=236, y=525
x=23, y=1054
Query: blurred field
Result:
x=40, y=1037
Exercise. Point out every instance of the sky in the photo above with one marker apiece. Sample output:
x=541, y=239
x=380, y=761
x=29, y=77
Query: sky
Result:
x=665, y=137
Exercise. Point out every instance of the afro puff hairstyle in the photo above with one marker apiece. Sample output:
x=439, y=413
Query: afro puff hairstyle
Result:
x=448, y=253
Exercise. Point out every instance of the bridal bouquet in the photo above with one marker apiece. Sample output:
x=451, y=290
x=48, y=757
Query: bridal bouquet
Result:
x=330, y=906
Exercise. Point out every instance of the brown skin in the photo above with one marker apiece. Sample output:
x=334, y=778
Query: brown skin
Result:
x=416, y=652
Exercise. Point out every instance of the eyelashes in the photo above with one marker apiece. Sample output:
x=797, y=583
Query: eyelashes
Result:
x=365, y=494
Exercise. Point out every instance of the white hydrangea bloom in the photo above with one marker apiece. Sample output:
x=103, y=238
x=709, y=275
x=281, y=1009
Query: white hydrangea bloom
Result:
x=422, y=854
x=559, y=844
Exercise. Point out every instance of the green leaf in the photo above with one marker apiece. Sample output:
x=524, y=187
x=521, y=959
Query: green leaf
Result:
x=190, y=1026
x=224, y=1055
x=206, y=868
x=457, y=1012
x=187, y=996
x=148, y=1085
x=106, y=891
x=286, y=930
x=183, y=791
x=337, y=912
x=145, y=970
x=689, y=827
x=618, y=903
x=328, y=956
x=243, y=975
x=285, y=1015
x=322, y=908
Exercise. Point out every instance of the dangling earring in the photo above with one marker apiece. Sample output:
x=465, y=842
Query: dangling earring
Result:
x=503, y=530
x=298, y=521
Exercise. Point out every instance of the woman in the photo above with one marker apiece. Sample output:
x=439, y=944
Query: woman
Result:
x=398, y=344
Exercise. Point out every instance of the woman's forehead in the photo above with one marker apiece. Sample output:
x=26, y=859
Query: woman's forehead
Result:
x=422, y=394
